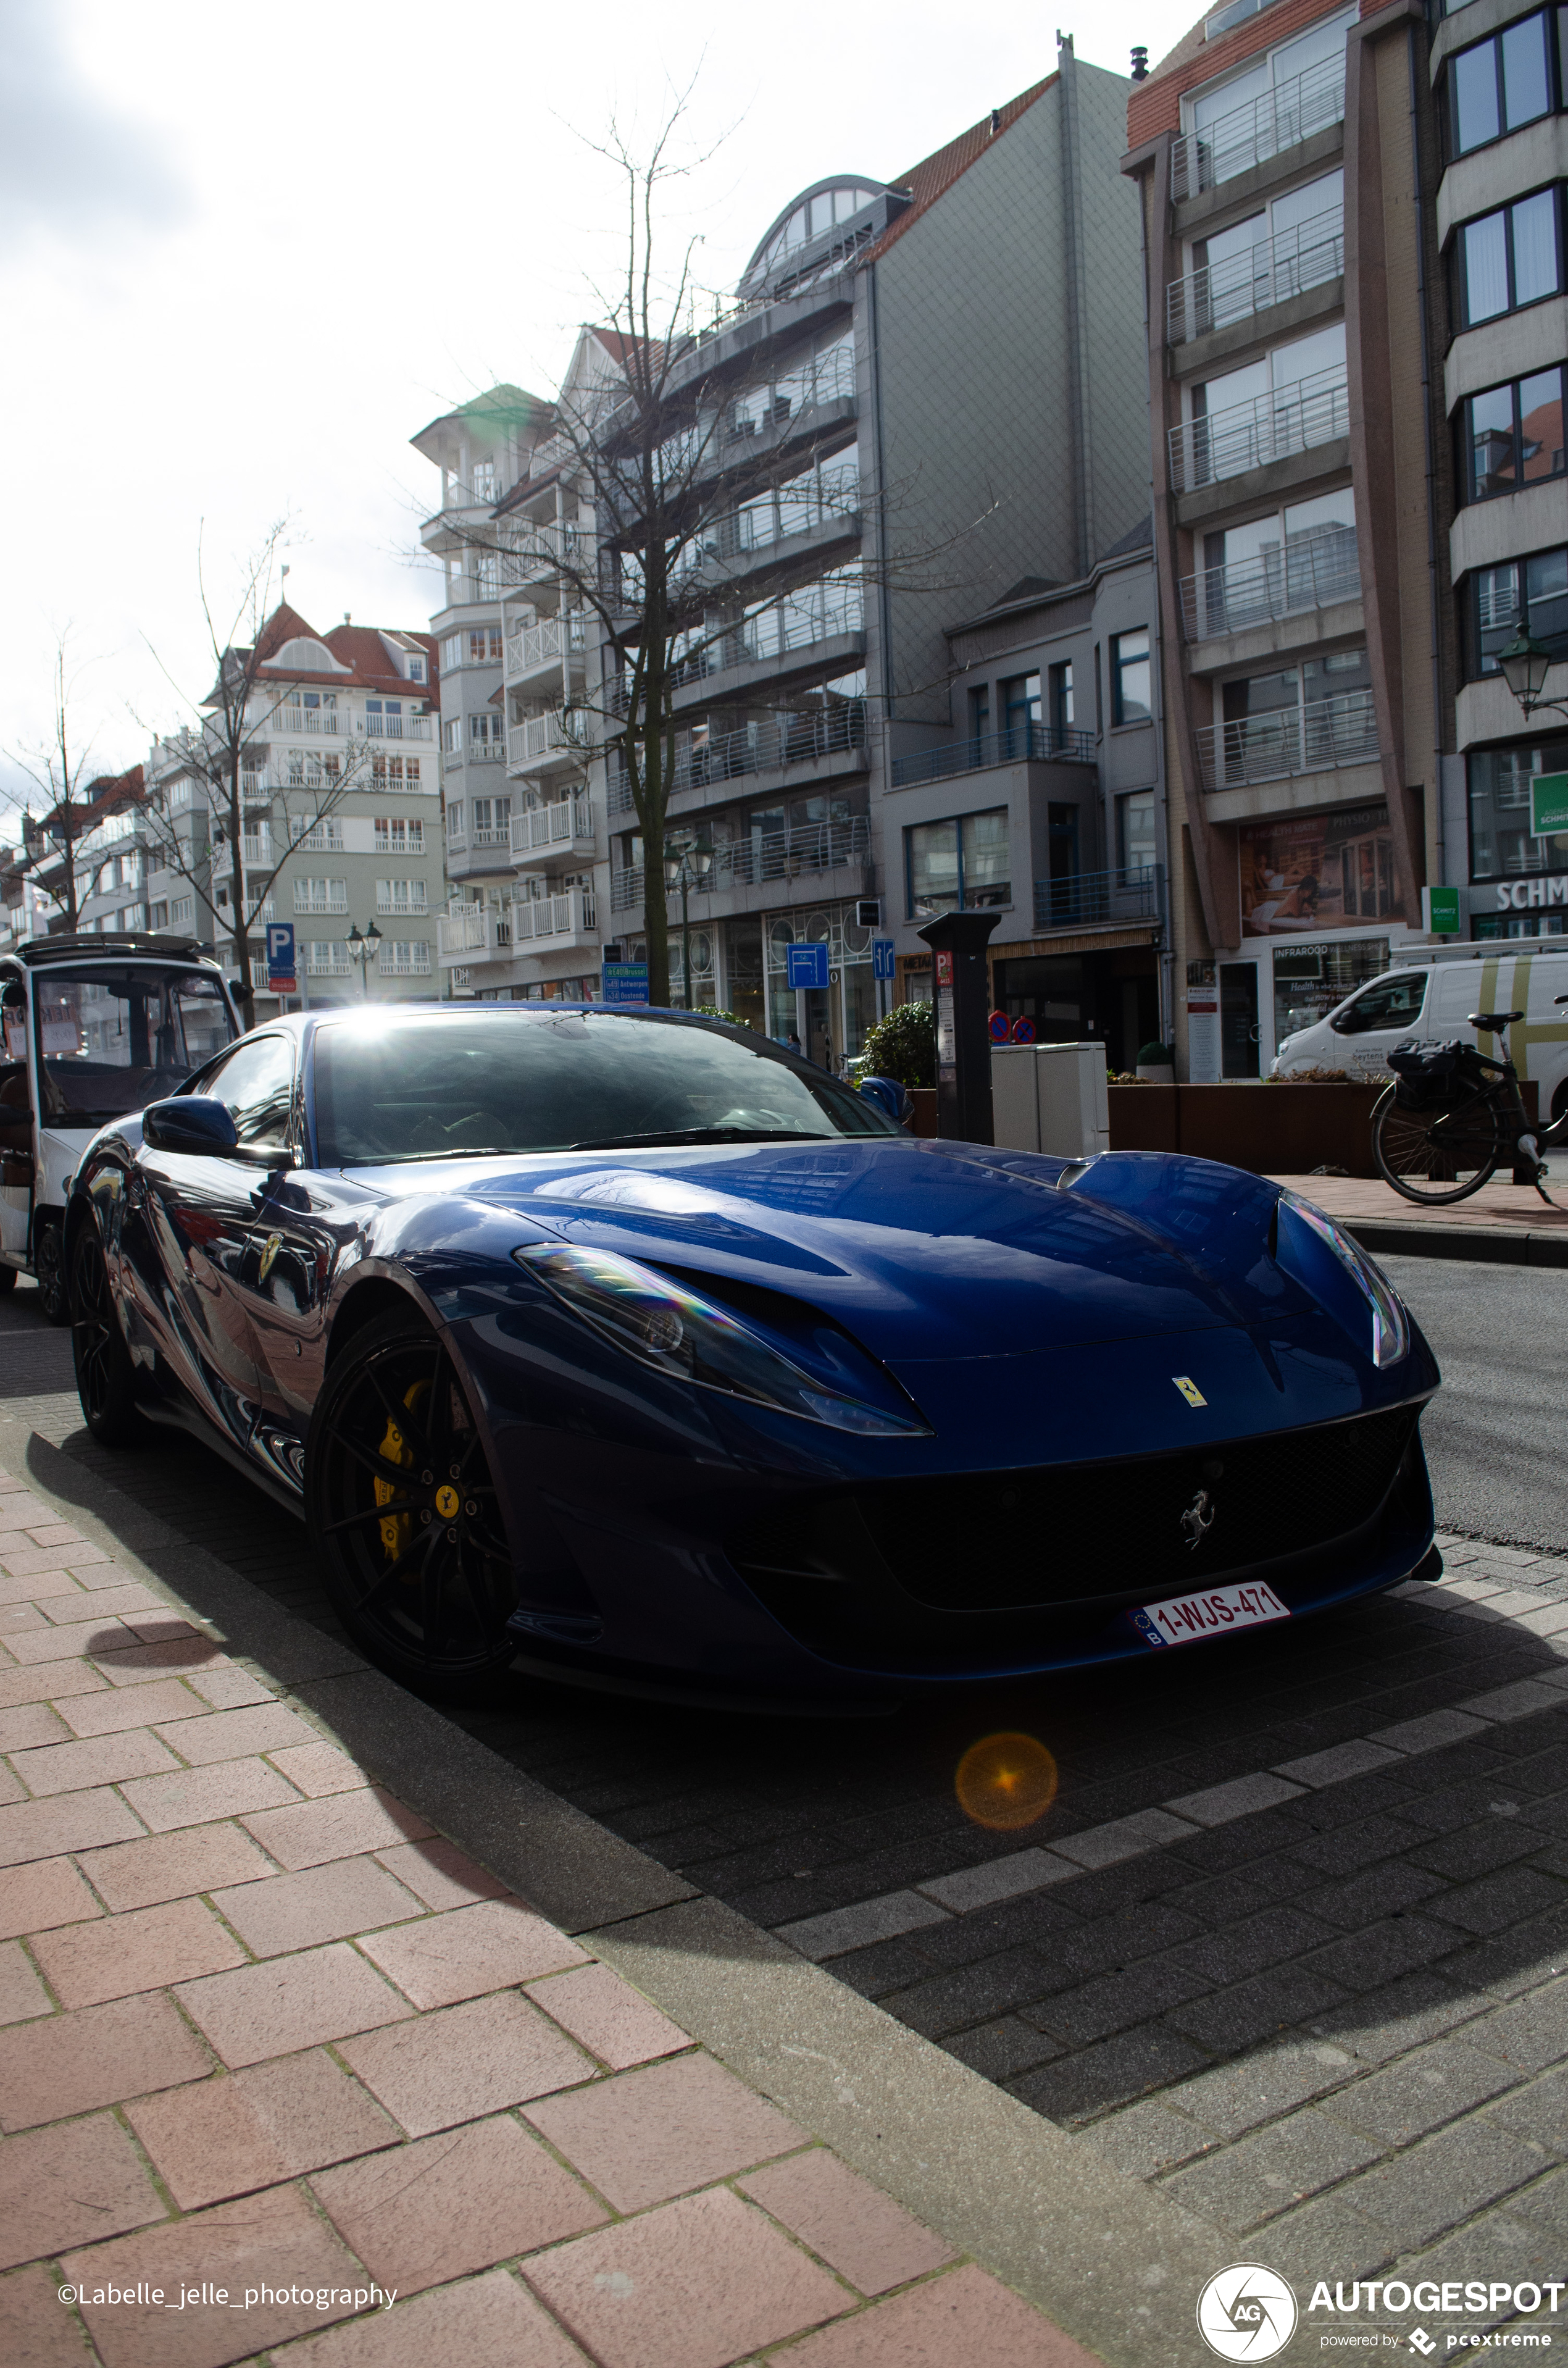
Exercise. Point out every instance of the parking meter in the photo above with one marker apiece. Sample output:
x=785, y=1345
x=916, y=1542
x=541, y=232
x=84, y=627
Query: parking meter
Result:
x=958, y=943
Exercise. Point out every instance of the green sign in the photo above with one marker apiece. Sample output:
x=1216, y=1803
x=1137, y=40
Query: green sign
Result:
x=1549, y=804
x=1440, y=912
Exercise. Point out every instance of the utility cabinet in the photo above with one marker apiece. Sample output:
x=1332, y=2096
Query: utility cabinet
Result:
x=1051, y=1098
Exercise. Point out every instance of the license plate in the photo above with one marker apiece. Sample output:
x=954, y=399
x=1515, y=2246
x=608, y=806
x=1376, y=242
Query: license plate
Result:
x=1187, y=1617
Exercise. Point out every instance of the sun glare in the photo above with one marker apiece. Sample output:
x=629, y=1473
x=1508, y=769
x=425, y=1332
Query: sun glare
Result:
x=1005, y=1781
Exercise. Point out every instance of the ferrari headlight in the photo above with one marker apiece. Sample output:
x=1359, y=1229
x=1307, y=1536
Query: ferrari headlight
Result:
x=675, y=1332
x=1391, y=1332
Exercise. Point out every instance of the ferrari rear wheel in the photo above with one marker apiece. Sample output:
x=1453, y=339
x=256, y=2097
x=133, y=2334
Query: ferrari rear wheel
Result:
x=104, y=1383
x=401, y=1503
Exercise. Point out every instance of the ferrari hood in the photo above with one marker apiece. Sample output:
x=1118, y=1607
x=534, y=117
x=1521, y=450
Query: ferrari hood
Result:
x=925, y=1249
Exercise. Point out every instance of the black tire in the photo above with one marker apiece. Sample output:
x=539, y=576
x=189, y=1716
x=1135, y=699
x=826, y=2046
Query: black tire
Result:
x=105, y=1381
x=403, y=1512
x=7, y=1280
x=1429, y=1156
x=49, y=1267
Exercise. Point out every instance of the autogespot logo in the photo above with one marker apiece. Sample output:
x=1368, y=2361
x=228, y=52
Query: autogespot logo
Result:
x=1246, y=2313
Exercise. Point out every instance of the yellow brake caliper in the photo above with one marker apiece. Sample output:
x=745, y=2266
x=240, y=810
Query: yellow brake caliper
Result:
x=394, y=1449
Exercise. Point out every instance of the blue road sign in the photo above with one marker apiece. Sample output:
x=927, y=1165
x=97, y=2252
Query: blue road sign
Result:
x=807, y=963
x=280, y=972
x=625, y=982
x=882, y=958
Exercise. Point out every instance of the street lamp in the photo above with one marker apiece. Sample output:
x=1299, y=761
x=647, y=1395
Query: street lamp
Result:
x=686, y=870
x=363, y=951
x=1525, y=665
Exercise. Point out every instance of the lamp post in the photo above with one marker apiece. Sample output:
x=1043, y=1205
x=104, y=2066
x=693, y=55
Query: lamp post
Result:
x=362, y=949
x=1524, y=665
x=686, y=870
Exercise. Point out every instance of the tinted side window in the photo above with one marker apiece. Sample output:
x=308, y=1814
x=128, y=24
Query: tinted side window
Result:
x=255, y=1085
x=1387, y=1003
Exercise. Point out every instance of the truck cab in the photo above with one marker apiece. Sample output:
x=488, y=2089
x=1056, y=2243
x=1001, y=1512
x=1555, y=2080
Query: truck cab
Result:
x=91, y=1029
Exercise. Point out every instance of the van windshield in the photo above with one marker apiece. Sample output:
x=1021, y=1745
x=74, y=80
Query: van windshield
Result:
x=113, y=1036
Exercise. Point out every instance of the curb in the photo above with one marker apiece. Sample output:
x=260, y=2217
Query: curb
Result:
x=1488, y=1244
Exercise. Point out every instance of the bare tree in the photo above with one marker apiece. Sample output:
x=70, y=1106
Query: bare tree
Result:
x=57, y=769
x=220, y=750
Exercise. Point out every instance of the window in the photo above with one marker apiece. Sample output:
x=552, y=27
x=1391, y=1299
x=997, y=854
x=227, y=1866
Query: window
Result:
x=452, y=736
x=1509, y=259
x=160, y=917
x=1131, y=689
x=1500, y=841
x=958, y=865
x=1500, y=83
x=485, y=733
x=455, y=818
x=1512, y=436
x=1020, y=700
x=180, y=913
x=451, y=652
x=416, y=669
x=255, y=1085
x=485, y=646
x=1135, y=834
x=1062, y=697
x=1522, y=595
x=395, y=836
x=411, y=772
x=400, y=896
x=321, y=895
x=1389, y=1003
x=404, y=958
x=980, y=712
x=327, y=958
x=492, y=820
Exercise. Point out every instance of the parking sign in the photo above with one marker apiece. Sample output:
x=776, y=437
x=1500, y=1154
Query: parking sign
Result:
x=280, y=976
x=807, y=965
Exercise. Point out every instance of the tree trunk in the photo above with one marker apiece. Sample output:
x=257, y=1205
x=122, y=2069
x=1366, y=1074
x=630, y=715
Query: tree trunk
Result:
x=244, y=993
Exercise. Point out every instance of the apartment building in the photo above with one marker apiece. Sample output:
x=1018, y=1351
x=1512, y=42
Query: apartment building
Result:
x=1497, y=73
x=341, y=812
x=1284, y=158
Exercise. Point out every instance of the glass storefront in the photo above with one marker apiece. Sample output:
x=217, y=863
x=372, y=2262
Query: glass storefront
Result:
x=1309, y=981
x=1501, y=847
x=831, y=1022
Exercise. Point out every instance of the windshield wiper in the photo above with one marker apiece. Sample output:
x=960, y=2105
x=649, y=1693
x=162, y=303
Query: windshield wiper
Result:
x=406, y=1158
x=703, y=1134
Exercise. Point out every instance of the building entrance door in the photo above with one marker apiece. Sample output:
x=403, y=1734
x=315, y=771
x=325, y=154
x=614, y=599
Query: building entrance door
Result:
x=817, y=1037
x=1238, y=1020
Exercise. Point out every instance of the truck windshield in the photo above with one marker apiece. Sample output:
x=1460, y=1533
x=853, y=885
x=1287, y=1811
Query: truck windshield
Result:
x=113, y=1036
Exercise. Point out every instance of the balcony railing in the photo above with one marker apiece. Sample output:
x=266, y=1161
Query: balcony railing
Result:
x=537, y=736
x=407, y=908
x=1311, y=572
x=414, y=965
x=1275, y=270
x=304, y=902
x=573, y=914
x=323, y=721
x=534, y=645
x=1087, y=897
x=398, y=727
x=1294, y=419
x=544, y=549
x=757, y=748
x=466, y=929
x=766, y=856
x=1291, y=740
x=1249, y=135
x=258, y=850
x=1034, y=743
x=327, y=961
x=567, y=824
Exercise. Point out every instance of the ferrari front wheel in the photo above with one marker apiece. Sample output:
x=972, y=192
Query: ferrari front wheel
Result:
x=105, y=1383
x=404, y=1511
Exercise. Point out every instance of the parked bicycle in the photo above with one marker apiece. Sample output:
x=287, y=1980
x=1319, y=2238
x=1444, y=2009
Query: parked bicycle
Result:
x=1454, y=1114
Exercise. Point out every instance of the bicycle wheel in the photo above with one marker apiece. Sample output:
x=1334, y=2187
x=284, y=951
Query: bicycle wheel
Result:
x=1436, y=1155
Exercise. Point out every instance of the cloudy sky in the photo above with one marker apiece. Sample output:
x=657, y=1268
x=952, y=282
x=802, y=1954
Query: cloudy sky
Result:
x=244, y=256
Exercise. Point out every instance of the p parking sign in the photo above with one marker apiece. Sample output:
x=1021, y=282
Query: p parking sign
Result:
x=280, y=974
x=807, y=965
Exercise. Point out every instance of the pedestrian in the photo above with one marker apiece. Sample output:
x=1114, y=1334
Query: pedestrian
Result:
x=794, y=1041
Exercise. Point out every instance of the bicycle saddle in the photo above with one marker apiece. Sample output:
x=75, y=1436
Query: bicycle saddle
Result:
x=1493, y=1021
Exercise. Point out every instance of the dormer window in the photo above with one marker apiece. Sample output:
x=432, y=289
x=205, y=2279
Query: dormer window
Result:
x=416, y=669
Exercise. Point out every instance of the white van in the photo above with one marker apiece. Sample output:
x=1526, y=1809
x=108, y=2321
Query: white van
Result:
x=1428, y=999
x=90, y=1027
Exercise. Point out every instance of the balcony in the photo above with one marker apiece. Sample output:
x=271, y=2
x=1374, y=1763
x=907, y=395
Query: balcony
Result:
x=1228, y=443
x=1270, y=273
x=1250, y=135
x=541, y=744
x=405, y=908
x=782, y=855
x=467, y=933
x=1315, y=571
x=415, y=963
x=315, y=722
x=1033, y=744
x=550, y=924
x=757, y=748
x=1094, y=899
x=534, y=647
x=1292, y=740
x=545, y=550
x=327, y=961
x=397, y=727
x=553, y=834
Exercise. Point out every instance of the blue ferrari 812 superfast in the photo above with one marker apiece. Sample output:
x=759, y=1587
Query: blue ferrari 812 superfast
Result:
x=633, y=1346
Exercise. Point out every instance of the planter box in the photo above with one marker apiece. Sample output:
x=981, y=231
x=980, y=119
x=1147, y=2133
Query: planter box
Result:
x=924, y=1119
x=1270, y=1130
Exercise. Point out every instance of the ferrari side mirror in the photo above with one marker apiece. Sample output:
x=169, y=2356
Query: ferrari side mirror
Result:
x=193, y=1122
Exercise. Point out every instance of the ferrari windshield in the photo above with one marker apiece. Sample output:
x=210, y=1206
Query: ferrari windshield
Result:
x=514, y=1080
x=113, y=1036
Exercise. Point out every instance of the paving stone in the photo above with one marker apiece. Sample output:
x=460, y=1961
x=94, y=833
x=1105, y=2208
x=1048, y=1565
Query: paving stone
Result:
x=235, y=1733
x=1234, y=2098
x=38, y=2332
x=342, y=1825
x=291, y=2003
x=34, y=1898
x=198, y=1796
x=465, y=2062
x=1077, y=2087
x=54, y=1682
x=32, y=1724
x=442, y=2206
x=1544, y=2205
x=1367, y=1898
x=1475, y=1850
x=168, y=1702
x=1145, y=2139
x=1433, y=1733
x=643, y=2136
x=1327, y=2237
x=608, y=2016
x=1418, y=2194
x=253, y=2129
x=321, y=1903
x=1521, y=1700
x=859, y=2232
x=998, y=1878
x=1499, y=1902
x=1002, y=2048
x=819, y=1937
x=146, y=1949
x=1112, y=1941
x=71, y=1821
x=1532, y=2033
x=440, y=1874
x=70, y=2185
x=1386, y=2022
x=226, y=1687
x=1343, y=1850
x=950, y=2001
x=1538, y=2110
x=486, y=2322
x=1500, y=2245
x=1241, y=1797
x=1242, y=2184
x=965, y=2319
x=1115, y=2002
x=1246, y=1948
x=22, y=1995
x=319, y=1768
x=463, y=1951
x=1124, y=1838
x=1368, y=1958
x=1434, y=2085
x=172, y=1866
x=74, y=2062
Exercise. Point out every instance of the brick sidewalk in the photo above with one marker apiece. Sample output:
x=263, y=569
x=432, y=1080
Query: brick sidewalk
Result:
x=264, y=2029
x=1498, y=1207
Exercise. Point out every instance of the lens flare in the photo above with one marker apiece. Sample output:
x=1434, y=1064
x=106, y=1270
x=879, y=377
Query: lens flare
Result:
x=1004, y=1781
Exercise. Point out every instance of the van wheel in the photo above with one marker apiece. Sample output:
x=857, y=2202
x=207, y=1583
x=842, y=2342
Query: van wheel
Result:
x=49, y=1266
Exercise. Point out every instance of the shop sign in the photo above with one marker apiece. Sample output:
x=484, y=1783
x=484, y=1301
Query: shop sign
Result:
x=1531, y=896
x=1303, y=873
x=1549, y=804
x=1440, y=912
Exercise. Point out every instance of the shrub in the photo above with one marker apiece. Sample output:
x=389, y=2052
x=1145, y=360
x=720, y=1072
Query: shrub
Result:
x=1156, y=1057
x=904, y=1045
x=1316, y=1077
x=712, y=1011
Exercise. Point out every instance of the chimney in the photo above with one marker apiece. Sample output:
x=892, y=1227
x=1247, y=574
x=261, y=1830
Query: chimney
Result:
x=1141, y=65
x=346, y=618
x=996, y=122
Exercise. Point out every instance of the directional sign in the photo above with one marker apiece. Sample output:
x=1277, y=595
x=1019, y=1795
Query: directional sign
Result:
x=625, y=982
x=280, y=976
x=882, y=958
x=808, y=964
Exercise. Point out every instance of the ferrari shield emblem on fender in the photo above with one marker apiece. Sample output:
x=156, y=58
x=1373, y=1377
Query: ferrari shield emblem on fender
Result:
x=274, y=1244
x=1189, y=1390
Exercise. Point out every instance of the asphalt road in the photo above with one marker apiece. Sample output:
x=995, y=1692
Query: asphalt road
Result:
x=1497, y=1432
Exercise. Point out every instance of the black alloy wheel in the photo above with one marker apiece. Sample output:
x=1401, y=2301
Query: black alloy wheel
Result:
x=49, y=1266
x=403, y=1509
x=105, y=1381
